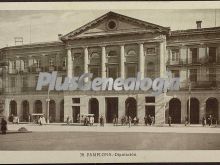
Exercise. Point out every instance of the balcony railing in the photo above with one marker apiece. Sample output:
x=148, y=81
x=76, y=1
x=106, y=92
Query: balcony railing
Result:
x=37, y=69
x=201, y=85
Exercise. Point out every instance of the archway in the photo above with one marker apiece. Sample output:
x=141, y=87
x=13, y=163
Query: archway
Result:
x=38, y=106
x=175, y=110
x=131, y=107
x=13, y=108
x=94, y=108
x=52, y=111
x=212, y=108
x=194, y=110
x=25, y=110
x=62, y=111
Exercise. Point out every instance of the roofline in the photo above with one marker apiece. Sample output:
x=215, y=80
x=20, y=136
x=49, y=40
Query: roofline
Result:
x=33, y=45
x=63, y=38
x=195, y=31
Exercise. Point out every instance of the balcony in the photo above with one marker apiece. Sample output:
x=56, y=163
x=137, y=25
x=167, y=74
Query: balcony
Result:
x=175, y=63
x=200, y=85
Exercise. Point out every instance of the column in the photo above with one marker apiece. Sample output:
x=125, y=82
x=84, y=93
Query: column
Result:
x=57, y=110
x=202, y=109
x=6, y=111
x=86, y=59
x=86, y=62
x=141, y=60
x=69, y=64
x=162, y=59
x=122, y=61
x=103, y=62
x=19, y=109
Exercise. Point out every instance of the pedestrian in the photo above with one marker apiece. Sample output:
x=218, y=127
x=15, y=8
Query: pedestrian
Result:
x=169, y=120
x=209, y=120
x=152, y=120
x=135, y=120
x=3, y=126
x=203, y=121
x=29, y=118
x=129, y=121
x=186, y=120
x=102, y=121
x=68, y=120
x=40, y=121
x=149, y=121
x=115, y=120
x=145, y=120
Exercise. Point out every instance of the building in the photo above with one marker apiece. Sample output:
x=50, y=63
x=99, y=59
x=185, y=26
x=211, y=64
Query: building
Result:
x=115, y=45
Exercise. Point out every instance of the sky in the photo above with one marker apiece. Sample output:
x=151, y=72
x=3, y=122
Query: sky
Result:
x=45, y=25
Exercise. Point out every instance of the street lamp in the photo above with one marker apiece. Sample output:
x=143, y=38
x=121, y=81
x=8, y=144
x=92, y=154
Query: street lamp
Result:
x=48, y=106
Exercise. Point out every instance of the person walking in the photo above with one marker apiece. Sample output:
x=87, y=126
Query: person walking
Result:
x=68, y=120
x=203, y=121
x=186, y=120
x=3, y=126
x=129, y=121
x=169, y=120
x=102, y=121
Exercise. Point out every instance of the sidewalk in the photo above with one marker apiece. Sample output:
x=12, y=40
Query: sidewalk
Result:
x=62, y=127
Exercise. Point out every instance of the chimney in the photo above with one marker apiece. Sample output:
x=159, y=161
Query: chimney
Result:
x=59, y=36
x=199, y=24
x=18, y=40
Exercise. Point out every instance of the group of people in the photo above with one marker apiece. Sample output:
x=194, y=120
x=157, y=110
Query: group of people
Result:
x=89, y=120
x=128, y=120
x=149, y=120
x=210, y=120
x=14, y=119
x=41, y=120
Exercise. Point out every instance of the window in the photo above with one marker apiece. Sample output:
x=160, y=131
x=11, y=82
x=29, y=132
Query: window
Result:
x=150, y=70
x=149, y=99
x=13, y=64
x=131, y=70
x=193, y=75
x=25, y=82
x=175, y=55
x=77, y=55
x=64, y=62
x=194, y=55
x=150, y=51
x=111, y=25
x=77, y=71
x=175, y=73
x=131, y=53
x=94, y=55
x=212, y=74
x=51, y=62
x=13, y=82
x=38, y=63
x=212, y=54
x=112, y=54
x=113, y=71
x=75, y=100
x=95, y=70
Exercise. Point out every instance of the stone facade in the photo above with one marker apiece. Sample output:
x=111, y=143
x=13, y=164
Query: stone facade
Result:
x=114, y=46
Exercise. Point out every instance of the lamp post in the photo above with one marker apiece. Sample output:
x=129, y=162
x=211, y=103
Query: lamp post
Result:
x=48, y=106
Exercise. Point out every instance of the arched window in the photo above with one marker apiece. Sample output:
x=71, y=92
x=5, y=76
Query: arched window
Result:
x=131, y=53
x=94, y=55
x=112, y=53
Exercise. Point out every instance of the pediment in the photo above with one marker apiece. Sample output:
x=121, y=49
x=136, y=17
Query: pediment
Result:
x=113, y=23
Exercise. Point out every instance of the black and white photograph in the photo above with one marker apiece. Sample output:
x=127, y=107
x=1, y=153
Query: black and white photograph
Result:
x=109, y=83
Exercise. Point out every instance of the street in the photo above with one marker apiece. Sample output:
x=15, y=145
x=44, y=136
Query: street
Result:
x=111, y=138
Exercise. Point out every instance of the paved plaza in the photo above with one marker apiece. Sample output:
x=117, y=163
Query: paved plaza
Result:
x=72, y=137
